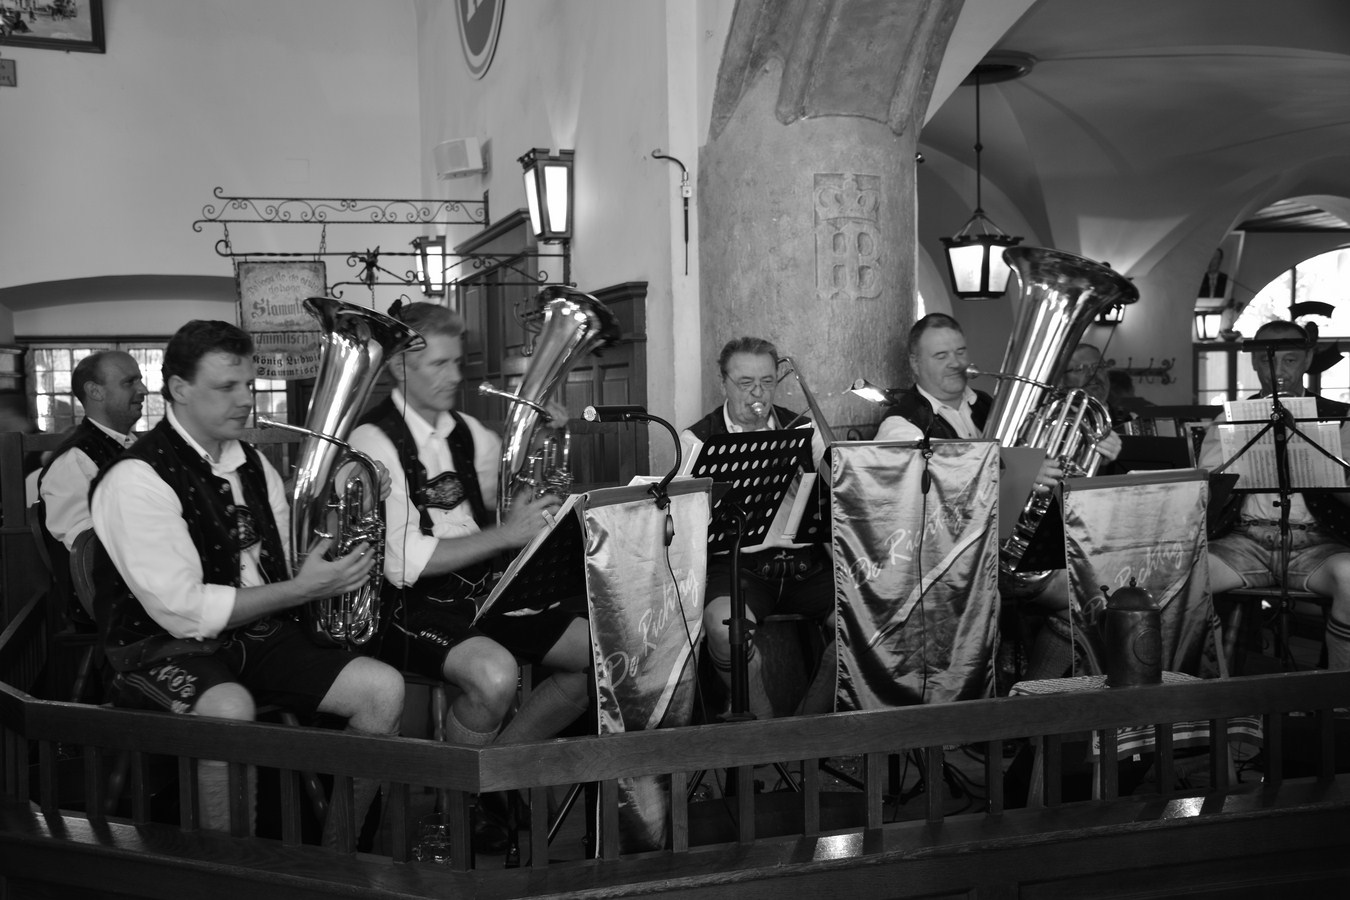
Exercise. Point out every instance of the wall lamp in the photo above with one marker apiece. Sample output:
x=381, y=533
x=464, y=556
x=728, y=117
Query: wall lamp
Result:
x=1112, y=315
x=1207, y=324
x=431, y=264
x=548, y=193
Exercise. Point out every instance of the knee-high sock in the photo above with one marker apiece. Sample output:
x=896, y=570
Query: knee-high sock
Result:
x=456, y=732
x=760, y=705
x=213, y=795
x=1338, y=643
x=363, y=795
x=551, y=707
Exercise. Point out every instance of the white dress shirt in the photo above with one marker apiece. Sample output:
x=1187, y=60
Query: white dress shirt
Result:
x=406, y=549
x=139, y=519
x=898, y=428
x=776, y=536
x=65, y=490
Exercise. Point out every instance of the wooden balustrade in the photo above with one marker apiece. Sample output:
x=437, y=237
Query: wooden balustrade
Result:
x=35, y=729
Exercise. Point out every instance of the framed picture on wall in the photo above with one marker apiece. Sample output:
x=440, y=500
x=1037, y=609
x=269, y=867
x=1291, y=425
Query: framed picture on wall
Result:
x=53, y=24
x=1216, y=286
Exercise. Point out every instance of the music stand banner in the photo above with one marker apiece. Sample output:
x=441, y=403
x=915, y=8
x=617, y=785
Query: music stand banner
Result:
x=1147, y=526
x=903, y=640
x=644, y=628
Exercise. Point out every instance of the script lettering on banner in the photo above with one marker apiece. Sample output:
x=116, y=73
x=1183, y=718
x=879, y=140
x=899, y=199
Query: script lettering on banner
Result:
x=1150, y=528
x=646, y=620
x=916, y=575
x=286, y=338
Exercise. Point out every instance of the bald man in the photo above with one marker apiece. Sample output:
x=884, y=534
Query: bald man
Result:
x=110, y=388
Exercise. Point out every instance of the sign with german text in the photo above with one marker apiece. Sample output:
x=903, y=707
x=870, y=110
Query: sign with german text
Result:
x=272, y=310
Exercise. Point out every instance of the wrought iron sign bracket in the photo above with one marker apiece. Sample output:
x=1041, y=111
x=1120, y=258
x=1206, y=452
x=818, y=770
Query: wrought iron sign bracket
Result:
x=340, y=211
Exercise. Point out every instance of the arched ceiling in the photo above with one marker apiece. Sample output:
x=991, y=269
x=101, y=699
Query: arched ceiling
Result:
x=1146, y=120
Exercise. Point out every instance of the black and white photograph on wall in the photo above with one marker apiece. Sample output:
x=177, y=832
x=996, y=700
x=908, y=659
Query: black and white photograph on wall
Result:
x=53, y=25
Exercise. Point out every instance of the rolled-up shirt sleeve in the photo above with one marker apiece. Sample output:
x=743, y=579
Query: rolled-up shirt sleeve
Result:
x=406, y=549
x=139, y=520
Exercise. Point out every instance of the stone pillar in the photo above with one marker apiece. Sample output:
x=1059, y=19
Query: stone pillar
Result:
x=807, y=188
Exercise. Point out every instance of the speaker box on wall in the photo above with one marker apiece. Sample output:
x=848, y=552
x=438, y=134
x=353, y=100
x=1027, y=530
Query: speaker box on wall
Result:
x=458, y=157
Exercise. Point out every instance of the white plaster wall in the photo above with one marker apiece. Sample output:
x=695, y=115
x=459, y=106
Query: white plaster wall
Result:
x=108, y=159
x=560, y=77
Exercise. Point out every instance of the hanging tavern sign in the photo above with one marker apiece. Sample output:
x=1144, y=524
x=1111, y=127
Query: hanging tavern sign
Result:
x=271, y=309
x=480, y=24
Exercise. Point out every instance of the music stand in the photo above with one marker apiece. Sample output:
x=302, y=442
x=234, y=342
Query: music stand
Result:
x=751, y=473
x=552, y=565
x=1282, y=424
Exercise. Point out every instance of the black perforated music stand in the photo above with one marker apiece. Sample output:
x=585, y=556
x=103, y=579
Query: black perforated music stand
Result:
x=544, y=572
x=751, y=474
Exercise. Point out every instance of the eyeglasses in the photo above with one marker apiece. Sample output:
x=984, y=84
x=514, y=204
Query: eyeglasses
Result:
x=748, y=385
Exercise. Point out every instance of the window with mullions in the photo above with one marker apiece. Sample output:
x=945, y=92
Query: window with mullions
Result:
x=1223, y=371
x=49, y=377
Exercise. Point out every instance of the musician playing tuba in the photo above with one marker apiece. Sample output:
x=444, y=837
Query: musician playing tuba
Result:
x=441, y=540
x=942, y=405
x=777, y=576
x=195, y=585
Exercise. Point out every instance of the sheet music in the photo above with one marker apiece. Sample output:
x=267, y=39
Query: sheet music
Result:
x=1308, y=468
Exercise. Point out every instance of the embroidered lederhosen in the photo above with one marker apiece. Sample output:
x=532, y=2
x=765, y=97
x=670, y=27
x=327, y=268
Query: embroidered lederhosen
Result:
x=219, y=529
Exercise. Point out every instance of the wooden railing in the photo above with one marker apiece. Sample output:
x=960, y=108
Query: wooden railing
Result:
x=38, y=732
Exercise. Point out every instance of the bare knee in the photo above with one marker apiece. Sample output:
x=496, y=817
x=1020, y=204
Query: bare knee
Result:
x=486, y=672
x=369, y=694
x=230, y=700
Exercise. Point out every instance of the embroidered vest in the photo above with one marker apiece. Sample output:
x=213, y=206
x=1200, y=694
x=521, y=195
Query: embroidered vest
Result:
x=131, y=638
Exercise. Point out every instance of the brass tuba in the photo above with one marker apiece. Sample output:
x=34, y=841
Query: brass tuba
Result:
x=1060, y=296
x=356, y=342
x=573, y=324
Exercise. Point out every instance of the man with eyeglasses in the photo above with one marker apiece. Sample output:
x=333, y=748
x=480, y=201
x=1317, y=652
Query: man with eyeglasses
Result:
x=776, y=576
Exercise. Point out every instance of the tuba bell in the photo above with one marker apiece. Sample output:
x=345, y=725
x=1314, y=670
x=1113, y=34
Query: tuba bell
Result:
x=1060, y=296
x=337, y=488
x=573, y=324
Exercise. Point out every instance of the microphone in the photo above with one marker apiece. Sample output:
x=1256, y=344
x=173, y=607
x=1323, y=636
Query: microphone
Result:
x=926, y=445
x=614, y=413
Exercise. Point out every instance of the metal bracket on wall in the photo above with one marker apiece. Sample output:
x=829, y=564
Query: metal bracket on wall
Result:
x=339, y=211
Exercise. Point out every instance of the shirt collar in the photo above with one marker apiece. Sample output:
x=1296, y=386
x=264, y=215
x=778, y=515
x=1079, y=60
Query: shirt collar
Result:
x=231, y=452
x=770, y=424
x=420, y=428
x=126, y=440
x=967, y=397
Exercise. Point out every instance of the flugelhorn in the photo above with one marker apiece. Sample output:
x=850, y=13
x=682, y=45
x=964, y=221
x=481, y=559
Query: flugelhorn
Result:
x=355, y=343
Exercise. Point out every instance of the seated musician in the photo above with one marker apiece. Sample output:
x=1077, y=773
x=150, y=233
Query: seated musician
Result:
x=777, y=576
x=440, y=546
x=942, y=405
x=109, y=386
x=1319, y=560
x=195, y=596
